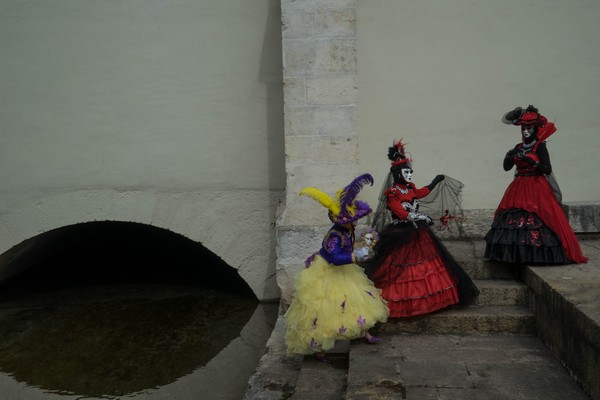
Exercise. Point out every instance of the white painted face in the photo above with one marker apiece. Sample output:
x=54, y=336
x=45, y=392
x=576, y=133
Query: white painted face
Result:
x=407, y=174
x=527, y=131
x=369, y=239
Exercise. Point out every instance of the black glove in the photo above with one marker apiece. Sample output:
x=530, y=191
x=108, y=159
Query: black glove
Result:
x=511, y=153
x=530, y=160
x=435, y=181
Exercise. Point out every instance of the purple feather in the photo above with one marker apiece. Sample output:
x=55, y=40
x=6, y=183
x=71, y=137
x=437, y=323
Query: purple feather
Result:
x=351, y=191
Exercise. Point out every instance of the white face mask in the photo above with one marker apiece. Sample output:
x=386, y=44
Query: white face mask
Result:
x=407, y=174
x=369, y=239
x=527, y=131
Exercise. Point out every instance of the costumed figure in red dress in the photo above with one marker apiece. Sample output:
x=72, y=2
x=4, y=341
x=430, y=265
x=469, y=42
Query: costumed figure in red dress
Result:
x=530, y=226
x=334, y=299
x=415, y=272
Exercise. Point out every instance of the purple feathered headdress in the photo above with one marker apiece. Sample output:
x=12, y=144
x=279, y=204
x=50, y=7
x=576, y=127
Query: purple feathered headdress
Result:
x=344, y=208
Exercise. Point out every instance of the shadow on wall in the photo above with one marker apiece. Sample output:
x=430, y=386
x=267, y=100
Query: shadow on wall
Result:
x=97, y=253
x=271, y=75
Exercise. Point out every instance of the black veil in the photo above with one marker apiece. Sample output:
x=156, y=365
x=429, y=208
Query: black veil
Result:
x=443, y=205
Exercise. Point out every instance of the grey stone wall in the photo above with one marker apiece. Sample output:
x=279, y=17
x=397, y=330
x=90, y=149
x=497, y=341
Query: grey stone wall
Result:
x=584, y=216
x=320, y=105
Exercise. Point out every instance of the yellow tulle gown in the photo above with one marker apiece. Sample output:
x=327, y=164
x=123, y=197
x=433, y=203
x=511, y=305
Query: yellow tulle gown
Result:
x=331, y=302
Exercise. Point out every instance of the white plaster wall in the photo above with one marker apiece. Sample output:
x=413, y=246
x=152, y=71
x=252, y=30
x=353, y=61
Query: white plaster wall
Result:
x=441, y=73
x=162, y=112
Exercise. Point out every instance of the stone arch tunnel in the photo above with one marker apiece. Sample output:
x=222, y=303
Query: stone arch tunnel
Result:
x=110, y=252
x=228, y=246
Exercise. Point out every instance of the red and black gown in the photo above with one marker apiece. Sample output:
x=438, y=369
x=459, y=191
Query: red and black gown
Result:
x=530, y=226
x=415, y=272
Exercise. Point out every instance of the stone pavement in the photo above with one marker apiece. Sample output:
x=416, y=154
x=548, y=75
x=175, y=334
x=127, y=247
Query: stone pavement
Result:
x=428, y=367
x=547, y=347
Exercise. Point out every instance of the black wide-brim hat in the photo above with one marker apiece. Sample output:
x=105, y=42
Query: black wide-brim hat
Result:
x=511, y=117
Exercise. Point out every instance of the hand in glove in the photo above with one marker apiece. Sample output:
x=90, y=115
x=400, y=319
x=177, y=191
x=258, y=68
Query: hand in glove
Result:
x=419, y=217
x=435, y=181
x=529, y=160
x=511, y=153
x=363, y=254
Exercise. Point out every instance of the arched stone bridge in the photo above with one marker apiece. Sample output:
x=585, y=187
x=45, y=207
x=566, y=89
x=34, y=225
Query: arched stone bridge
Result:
x=236, y=226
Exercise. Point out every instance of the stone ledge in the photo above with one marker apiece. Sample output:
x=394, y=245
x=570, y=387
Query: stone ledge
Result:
x=277, y=373
x=566, y=302
x=584, y=216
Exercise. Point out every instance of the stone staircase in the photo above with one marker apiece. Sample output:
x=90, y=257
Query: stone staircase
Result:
x=501, y=309
x=497, y=349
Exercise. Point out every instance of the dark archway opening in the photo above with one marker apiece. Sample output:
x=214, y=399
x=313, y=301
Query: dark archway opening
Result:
x=112, y=309
x=96, y=253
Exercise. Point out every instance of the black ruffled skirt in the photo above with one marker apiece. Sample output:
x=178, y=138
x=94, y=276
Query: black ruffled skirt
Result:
x=519, y=236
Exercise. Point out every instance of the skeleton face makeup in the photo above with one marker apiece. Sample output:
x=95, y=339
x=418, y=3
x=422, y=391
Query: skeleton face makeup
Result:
x=407, y=174
x=369, y=239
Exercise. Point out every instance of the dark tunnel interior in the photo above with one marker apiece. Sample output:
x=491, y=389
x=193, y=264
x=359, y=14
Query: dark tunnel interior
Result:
x=108, y=252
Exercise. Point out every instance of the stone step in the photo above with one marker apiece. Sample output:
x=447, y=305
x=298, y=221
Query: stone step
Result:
x=466, y=249
x=474, y=320
x=428, y=367
x=324, y=381
x=501, y=293
x=483, y=269
x=469, y=254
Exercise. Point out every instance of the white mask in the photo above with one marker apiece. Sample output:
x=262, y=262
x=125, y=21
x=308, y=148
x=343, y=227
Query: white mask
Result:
x=407, y=174
x=527, y=131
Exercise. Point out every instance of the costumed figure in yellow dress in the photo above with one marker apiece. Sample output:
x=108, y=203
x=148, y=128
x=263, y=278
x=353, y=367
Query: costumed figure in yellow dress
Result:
x=334, y=299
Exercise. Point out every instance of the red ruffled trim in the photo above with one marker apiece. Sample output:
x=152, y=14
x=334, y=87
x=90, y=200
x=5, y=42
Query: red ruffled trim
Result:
x=414, y=279
x=410, y=308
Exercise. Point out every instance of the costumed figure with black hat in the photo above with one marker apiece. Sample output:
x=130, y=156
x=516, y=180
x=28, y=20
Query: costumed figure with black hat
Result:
x=415, y=272
x=334, y=299
x=529, y=224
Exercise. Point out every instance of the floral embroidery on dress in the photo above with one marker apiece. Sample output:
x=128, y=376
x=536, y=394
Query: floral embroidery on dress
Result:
x=342, y=330
x=313, y=343
x=332, y=243
x=530, y=221
x=534, y=238
x=361, y=321
x=314, y=324
x=343, y=305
